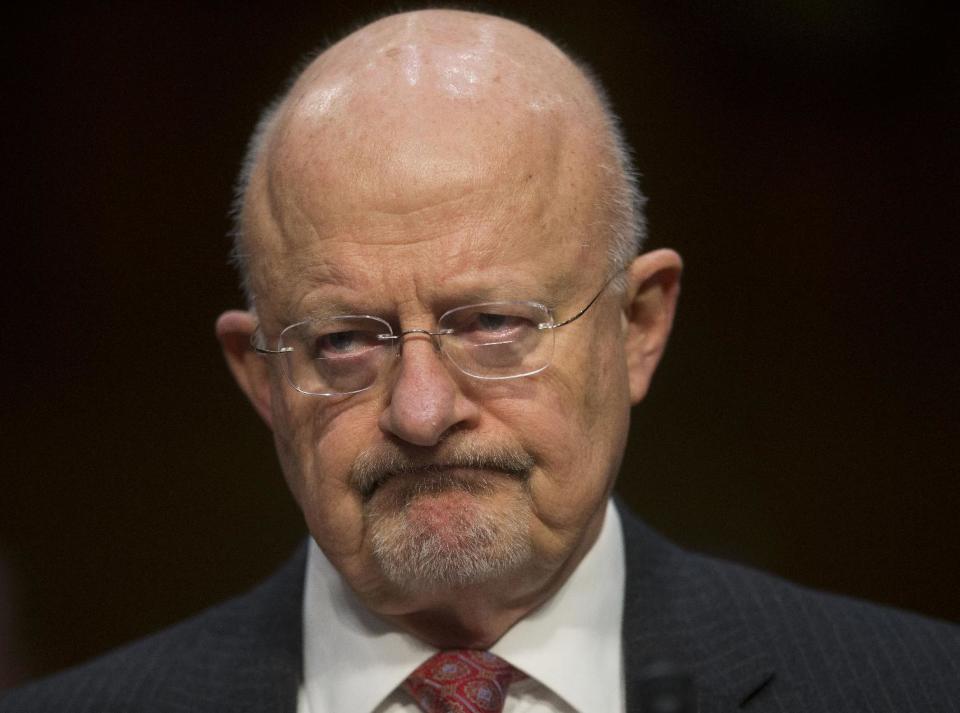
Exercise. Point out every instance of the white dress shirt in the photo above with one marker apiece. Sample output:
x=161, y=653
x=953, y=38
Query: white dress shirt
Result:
x=570, y=647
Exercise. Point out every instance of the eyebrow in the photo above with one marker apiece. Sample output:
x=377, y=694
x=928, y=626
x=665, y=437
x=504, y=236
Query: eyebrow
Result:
x=327, y=308
x=561, y=289
x=553, y=293
x=504, y=291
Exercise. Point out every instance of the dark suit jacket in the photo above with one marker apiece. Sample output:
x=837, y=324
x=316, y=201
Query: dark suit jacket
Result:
x=749, y=640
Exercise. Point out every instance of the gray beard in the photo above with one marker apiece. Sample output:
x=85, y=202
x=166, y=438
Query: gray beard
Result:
x=485, y=545
x=482, y=548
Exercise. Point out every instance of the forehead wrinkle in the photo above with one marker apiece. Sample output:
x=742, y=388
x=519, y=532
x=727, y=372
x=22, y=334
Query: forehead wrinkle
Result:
x=521, y=186
x=507, y=217
x=284, y=263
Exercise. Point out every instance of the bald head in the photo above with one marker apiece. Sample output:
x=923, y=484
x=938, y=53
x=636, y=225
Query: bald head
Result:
x=433, y=108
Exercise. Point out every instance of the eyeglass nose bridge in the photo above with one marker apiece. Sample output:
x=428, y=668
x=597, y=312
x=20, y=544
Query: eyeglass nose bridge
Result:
x=397, y=339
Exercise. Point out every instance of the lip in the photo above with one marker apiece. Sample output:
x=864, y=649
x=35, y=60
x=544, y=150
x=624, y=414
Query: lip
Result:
x=457, y=472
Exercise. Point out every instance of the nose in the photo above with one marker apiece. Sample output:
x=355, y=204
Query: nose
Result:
x=424, y=399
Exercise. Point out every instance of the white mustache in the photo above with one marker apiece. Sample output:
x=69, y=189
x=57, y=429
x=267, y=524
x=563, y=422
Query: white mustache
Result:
x=375, y=465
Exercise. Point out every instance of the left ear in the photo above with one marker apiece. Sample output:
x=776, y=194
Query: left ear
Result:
x=653, y=285
x=234, y=330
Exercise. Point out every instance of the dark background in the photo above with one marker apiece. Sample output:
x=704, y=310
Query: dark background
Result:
x=801, y=155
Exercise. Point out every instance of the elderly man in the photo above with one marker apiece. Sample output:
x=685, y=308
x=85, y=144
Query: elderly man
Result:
x=447, y=328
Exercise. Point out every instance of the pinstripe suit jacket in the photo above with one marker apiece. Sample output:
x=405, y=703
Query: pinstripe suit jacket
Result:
x=751, y=641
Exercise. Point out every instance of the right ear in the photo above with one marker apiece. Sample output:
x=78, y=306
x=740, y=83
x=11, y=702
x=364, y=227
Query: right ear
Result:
x=653, y=284
x=252, y=372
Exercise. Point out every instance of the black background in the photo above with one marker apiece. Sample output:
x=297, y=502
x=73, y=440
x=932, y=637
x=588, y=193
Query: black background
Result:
x=802, y=156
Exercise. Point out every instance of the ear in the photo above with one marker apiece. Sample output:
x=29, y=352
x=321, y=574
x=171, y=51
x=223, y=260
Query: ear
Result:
x=234, y=330
x=653, y=285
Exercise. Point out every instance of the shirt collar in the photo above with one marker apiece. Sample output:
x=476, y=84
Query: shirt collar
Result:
x=353, y=659
x=572, y=643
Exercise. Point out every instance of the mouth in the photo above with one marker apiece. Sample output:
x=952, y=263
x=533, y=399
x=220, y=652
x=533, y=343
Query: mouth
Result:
x=438, y=478
x=463, y=466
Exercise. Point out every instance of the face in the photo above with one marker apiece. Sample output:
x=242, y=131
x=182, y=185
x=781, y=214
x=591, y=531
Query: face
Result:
x=431, y=478
x=433, y=482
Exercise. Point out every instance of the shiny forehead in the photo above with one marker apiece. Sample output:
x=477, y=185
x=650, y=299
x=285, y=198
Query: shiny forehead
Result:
x=443, y=53
x=435, y=119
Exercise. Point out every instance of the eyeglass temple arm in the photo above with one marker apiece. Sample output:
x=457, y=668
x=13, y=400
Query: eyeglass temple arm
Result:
x=578, y=315
x=263, y=350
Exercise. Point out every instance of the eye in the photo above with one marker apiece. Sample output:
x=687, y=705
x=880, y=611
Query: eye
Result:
x=495, y=327
x=493, y=322
x=347, y=343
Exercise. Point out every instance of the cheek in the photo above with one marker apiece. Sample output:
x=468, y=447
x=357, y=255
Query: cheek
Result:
x=285, y=428
x=581, y=423
x=317, y=443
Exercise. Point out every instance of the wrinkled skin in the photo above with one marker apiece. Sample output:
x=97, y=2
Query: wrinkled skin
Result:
x=431, y=160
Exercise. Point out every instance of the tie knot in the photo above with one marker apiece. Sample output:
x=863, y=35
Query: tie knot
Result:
x=462, y=681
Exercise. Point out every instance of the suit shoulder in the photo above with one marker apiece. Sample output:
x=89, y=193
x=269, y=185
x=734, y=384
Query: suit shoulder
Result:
x=837, y=649
x=746, y=636
x=779, y=603
x=208, y=657
x=122, y=675
x=695, y=585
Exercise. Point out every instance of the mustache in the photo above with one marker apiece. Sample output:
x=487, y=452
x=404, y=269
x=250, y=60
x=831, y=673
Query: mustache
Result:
x=372, y=467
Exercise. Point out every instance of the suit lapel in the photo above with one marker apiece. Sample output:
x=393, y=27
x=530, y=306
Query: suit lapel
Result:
x=677, y=616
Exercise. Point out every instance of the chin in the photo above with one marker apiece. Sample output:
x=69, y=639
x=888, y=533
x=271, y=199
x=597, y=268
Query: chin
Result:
x=442, y=538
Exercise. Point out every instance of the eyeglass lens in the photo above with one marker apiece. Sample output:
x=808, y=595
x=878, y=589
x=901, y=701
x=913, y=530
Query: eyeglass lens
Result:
x=344, y=355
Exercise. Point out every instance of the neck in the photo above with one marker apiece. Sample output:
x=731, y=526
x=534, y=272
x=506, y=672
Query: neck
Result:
x=469, y=627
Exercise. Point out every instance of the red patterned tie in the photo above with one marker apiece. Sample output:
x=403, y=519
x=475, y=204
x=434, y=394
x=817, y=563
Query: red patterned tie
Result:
x=462, y=681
